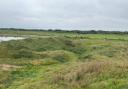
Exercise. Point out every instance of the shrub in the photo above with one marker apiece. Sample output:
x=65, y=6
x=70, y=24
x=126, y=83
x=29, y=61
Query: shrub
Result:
x=22, y=54
x=75, y=47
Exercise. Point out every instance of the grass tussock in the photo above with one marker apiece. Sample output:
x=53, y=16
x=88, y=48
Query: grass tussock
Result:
x=86, y=75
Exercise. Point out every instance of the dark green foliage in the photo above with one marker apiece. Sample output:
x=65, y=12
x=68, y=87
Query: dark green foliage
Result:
x=22, y=54
x=66, y=31
x=60, y=58
x=75, y=47
x=85, y=56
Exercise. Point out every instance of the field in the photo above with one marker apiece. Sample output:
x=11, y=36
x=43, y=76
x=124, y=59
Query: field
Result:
x=58, y=60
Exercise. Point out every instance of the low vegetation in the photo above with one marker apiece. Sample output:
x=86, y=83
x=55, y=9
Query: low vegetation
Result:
x=52, y=60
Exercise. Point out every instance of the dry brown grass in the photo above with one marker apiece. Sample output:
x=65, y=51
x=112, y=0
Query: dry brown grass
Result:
x=8, y=67
x=83, y=74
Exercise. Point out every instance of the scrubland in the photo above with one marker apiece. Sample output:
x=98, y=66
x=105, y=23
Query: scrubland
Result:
x=49, y=60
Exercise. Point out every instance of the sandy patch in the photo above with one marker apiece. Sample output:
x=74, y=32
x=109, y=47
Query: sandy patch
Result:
x=8, y=67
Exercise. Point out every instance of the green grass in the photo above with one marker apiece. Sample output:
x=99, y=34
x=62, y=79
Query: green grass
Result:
x=49, y=60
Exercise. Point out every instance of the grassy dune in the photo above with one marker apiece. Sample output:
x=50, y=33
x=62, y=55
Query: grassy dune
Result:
x=64, y=61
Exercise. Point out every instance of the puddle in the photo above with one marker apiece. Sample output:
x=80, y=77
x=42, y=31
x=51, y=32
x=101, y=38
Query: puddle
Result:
x=10, y=38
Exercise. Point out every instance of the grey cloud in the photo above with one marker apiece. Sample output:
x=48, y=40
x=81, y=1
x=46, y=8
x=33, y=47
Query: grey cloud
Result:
x=65, y=14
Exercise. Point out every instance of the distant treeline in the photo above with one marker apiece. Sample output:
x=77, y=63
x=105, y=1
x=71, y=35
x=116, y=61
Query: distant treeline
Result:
x=69, y=31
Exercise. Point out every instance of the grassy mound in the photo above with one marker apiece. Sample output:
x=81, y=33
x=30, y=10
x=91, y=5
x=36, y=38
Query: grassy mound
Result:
x=59, y=55
x=27, y=46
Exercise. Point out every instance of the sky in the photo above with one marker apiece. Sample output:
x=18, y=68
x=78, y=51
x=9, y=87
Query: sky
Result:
x=65, y=14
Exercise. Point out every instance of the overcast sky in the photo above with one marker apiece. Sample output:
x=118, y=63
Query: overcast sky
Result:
x=65, y=14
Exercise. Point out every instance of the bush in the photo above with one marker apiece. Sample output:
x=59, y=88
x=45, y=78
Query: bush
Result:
x=75, y=47
x=23, y=54
x=61, y=57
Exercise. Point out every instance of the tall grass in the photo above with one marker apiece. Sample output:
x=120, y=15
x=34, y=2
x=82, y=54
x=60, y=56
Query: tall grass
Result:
x=94, y=75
